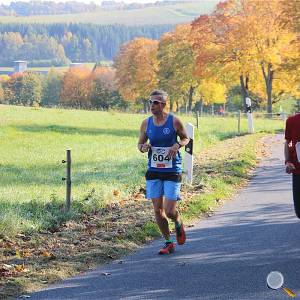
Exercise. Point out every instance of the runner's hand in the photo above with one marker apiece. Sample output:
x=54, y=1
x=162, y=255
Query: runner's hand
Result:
x=145, y=147
x=173, y=151
x=289, y=167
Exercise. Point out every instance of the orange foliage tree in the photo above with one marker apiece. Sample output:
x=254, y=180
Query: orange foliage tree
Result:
x=243, y=39
x=104, y=94
x=76, y=87
x=176, y=66
x=136, y=69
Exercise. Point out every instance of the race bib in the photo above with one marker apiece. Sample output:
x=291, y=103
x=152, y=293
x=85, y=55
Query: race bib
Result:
x=297, y=146
x=159, y=158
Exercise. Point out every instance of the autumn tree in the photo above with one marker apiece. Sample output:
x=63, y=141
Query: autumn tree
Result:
x=290, y=20
x=212, y=92
x=219, y=50
x=104, y=94
x=243, y=39
x=273, y=46
x=76, y=87
x=290, y=16
x=176, y=66
x=136, y=68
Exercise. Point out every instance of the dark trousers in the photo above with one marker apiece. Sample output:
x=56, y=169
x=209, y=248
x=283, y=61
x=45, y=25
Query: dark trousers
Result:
x=296, y=193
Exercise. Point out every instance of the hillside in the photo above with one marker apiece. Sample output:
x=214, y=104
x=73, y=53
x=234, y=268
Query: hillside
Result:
x=168, y=14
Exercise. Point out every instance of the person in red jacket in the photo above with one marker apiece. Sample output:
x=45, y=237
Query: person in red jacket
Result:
x=292, y=156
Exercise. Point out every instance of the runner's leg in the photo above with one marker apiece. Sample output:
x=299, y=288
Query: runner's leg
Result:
x=170, y=207
x=160, y=217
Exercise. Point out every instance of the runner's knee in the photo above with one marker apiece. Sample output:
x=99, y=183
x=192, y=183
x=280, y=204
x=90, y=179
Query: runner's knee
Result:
x=158, y=211
x=171, y=213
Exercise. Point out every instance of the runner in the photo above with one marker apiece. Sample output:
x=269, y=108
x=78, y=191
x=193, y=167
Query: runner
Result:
x=292, y=156
x=163, y=177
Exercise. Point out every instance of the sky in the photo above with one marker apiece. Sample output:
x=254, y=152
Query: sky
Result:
x=85, y=1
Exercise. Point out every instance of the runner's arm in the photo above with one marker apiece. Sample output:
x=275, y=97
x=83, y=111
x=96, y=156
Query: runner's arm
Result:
x=184, y=140
x=286, y=151
x=143, y=146
x=181, y=132
x=289, y=166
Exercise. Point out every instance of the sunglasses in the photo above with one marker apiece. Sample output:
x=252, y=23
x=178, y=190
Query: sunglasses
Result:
x=156, y=102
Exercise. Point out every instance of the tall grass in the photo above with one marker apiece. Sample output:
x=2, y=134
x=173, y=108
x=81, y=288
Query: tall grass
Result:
x=106, y=165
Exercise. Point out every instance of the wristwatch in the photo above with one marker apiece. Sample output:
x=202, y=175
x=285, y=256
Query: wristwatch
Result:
x=178, y=144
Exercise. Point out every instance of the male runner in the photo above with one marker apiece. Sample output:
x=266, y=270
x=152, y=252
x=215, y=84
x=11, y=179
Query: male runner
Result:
x=292, y=156
x=163, y=177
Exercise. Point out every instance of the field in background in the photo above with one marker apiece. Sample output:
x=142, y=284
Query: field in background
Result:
x=106, y=165
x=169, y=14
x=57, y=69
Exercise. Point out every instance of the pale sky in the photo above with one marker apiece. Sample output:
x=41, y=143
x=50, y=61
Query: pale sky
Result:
x=85, y=1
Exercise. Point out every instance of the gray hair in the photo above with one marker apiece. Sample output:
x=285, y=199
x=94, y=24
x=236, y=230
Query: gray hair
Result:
x=160, y=93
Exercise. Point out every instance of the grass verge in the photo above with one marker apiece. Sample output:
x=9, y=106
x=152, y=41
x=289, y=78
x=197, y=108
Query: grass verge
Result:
x=31, y=261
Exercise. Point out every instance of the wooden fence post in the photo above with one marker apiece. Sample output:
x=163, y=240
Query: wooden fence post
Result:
x=68, y=180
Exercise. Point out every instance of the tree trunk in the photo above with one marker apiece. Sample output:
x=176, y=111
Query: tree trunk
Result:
x=245, y=89
x=171, y=105
x=268, y=76
x=190, y=101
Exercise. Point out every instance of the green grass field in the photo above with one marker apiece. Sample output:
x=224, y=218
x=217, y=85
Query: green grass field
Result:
x=104, y=160
x=169, y=14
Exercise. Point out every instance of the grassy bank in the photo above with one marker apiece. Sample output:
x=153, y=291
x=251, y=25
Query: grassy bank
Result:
x=40, y=244
x=106, y=166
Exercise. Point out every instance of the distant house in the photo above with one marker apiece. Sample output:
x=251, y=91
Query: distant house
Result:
x=20, y=66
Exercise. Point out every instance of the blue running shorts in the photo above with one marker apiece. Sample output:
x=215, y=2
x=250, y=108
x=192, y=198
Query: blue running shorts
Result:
x=156, y=188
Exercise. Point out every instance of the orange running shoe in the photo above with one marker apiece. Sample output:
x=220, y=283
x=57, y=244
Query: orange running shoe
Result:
x=180, y=234
x=167, y=249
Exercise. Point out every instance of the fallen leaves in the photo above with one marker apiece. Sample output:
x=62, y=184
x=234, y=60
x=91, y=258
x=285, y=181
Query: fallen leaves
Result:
x=9, y=270
x=47, y=254
x=116, y=193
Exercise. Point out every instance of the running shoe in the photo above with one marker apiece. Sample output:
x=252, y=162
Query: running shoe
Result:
x=167, y=249
x=180, y=234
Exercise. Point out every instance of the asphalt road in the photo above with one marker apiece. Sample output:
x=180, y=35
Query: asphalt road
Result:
x=227, y=256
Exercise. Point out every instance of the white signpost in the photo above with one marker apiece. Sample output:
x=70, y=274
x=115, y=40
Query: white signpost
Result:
x=188, y=158
x=249, y=115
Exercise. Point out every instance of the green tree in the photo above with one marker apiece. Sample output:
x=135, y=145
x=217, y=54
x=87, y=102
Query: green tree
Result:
x=51, y=89
x=23, y=89
x=31, y=89
x=12, y=89
x=176, y=66
x=103, y=98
